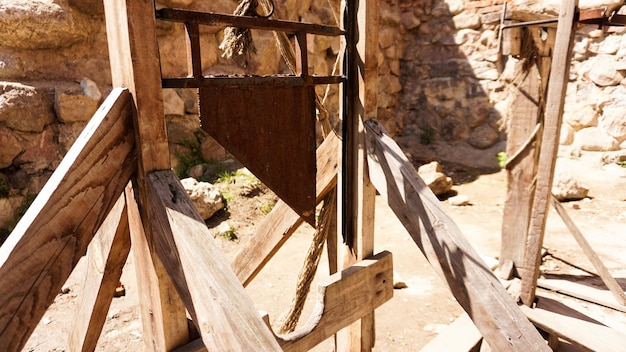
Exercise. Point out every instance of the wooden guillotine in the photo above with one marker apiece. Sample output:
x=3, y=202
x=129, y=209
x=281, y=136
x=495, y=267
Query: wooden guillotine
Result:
x=115, y=189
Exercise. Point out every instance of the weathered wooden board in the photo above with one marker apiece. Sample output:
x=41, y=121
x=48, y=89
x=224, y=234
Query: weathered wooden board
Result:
x=520, y=172
x=135, y=64
x=271, y=130
x=282, y=221
x=595, y=260
x=105, y=258
x=557, y=86
x=356, y=193
x=163, y=314
x=53, y=235
x=586, y=335
x=478, y=291
x=581, y=291
x=215, y=299
x=461, y=335
x=343, y=298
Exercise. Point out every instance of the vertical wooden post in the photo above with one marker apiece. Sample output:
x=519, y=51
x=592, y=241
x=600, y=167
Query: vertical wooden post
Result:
x=358, y=194
x=135, y=64
x=526, y=114
x=557, y=87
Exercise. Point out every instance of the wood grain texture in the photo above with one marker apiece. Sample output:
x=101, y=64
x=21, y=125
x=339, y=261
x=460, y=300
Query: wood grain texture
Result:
x=557, y=87
x=135, y=64
x=358, y=193
x=478, y=291
x=520, y=173
x=461, y=335
x=343, y=298
x=595, y=260
x=586, y=335
x=54, y=233
x=582, y=291
x=282, y=221
x=163, y=314
x=106, y=256
x=222, y=312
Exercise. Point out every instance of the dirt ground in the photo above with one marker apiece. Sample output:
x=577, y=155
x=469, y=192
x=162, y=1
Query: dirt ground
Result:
x=417, y=313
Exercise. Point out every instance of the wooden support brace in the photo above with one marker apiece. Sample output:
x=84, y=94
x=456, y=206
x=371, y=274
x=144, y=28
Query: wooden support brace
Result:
x=53, y=235
x=222, y=312
x=342, y=299
x=557, y=86
x=282, y=221
x=461, y=335
x=492, y=309
x=601, y=269
x=106, y=256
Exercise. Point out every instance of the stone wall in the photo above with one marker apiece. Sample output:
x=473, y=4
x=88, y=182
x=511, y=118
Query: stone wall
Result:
x=441, y=94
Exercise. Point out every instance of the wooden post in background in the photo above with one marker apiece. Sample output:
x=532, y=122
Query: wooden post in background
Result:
x=135, y=64
x=358, y=194
x=526, y=115
x=557, y=87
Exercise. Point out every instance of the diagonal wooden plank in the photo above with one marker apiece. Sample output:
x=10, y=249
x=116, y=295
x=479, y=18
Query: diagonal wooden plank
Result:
x=106, y=256
x=478, y=291
x=597, y=263
x=222, y=312
x=557, y=87
x=282, y=221
x=162, y=311
x=46, y=244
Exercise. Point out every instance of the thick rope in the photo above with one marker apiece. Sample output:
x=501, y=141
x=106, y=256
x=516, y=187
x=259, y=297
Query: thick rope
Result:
x=238, y=42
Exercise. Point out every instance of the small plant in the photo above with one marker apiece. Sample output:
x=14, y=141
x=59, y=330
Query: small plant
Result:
x=427, y=136
x=229, y=234
x=622, y=163
x=501, y=156
x=266, y=207
x=191, y=159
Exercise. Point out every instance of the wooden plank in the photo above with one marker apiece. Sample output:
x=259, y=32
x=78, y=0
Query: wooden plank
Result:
x=135, y=63
x=601, y=269
x=587, y=293
x=134, y=57
x=586, y=335
x=53, y=235
x=358, y=194
x=215, y=299
x=478, y=291
x=105, y=258
x=218, y=19
x=163, y=314
x=557, y=87
x=282, y=221
x=520, y=172
x=343, y=298
x=461, y=335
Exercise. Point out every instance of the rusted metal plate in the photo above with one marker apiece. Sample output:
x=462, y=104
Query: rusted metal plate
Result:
x=271, y=130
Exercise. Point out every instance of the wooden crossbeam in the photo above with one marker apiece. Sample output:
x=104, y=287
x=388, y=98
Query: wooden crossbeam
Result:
x=223, y=314
x=53, y=235
x=282, y=221
x=342, y=298
x=105, y=258
x=478, y=291
x=557, y=87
